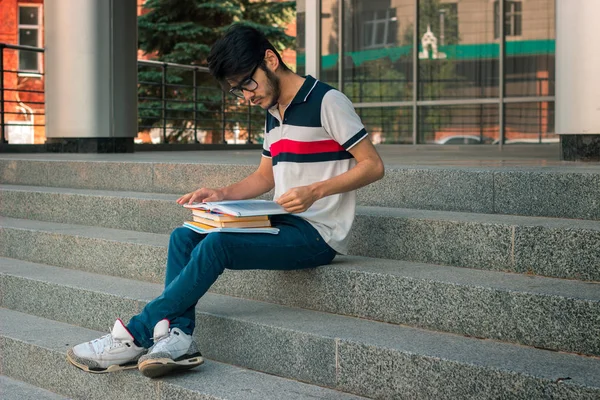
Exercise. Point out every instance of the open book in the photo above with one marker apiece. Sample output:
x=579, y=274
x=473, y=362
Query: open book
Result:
x=240, y=208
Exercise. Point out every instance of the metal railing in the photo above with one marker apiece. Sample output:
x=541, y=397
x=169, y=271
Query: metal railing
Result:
x=176, y=104
x=182, y=101
x=182, y=104
x=4, y=73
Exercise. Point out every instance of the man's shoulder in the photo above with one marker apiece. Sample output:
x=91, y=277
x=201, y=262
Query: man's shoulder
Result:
x=320, y=90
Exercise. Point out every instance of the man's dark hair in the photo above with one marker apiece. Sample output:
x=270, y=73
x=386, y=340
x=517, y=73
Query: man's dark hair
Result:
x=238, y=52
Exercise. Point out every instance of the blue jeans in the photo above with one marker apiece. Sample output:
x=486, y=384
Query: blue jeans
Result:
x=195, y=261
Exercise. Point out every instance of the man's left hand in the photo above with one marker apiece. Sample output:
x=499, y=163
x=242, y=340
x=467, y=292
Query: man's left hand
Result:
x=298, y=199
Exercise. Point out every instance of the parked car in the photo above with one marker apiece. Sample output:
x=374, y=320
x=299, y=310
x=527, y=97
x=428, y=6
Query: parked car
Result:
x=464, y=139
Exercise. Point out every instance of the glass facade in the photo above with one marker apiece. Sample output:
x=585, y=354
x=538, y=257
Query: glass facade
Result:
x=442, y=71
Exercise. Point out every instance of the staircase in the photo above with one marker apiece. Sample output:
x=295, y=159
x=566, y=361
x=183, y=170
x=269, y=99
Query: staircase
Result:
x=463, y=283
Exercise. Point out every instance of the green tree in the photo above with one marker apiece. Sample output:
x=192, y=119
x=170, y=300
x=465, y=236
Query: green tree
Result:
x=380, y=81
x=182, y=32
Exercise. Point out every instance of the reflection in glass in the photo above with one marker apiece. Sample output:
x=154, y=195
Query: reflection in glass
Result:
x=513, y=11
x=529, y=63
x=530, y=123
x=468, y=124
x=458, y=57
x=390, y=125
x=329, y=41
x=377, y=60
x=300, y=37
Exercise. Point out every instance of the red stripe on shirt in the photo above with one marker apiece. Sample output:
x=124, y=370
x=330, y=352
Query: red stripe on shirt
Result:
x=292, y=146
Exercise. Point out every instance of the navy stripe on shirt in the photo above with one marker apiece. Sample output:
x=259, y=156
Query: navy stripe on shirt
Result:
x=310, y=158
x=352, y=141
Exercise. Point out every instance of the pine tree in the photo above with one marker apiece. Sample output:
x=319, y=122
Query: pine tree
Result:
x=182, y=32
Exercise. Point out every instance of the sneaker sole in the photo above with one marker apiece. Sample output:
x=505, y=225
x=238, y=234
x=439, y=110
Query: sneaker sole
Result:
x=161, y=366
x=112, y=368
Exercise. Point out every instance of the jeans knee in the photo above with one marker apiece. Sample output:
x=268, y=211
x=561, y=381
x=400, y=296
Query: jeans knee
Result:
x=181, y=234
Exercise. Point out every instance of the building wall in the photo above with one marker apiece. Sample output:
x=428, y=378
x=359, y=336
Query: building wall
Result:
x=17, y=102
x=476, y=20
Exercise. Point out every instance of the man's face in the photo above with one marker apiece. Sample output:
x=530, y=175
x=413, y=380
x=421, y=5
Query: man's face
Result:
x=261, y=87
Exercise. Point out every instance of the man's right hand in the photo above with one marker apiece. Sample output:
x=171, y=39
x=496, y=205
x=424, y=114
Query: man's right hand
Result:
x=201, y=195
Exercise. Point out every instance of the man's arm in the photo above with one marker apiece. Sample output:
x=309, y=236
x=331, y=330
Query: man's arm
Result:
x=369, y=168
x=259, y=182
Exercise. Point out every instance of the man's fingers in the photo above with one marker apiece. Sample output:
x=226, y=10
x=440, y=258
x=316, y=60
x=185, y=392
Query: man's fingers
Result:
x=193, y=198
x=183, y=199
x=296, y=209
x=284, y=198
x=290, y=203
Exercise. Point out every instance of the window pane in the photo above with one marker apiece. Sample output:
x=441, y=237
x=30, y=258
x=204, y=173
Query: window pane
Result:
x=28, y=61
x=392, y=32
x=379, y=33
x=381, y=14
x=329, y=41
x=530, y=60
x=391, y=125
x=517, y=25
x=28, y=37
x=368, y=34
x=28, y=15
x=517, y=6
x=472, y=124
x=530, y=123
x=300, y=37
x=496, y=19
x=384, y=72
x=466, y=65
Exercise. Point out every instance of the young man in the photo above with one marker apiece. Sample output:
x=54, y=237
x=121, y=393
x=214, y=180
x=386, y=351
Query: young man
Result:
x=316, y=153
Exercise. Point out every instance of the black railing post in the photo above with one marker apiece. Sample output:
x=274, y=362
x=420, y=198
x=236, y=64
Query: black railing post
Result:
x=2, y=126
x=223, y=118
x=249, y=124
x=195, y=97
x=164, y=102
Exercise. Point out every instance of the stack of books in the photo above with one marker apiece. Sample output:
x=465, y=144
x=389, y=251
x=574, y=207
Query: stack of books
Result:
x=237, y=216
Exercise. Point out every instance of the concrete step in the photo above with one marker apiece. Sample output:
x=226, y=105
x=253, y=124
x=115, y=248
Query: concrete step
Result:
x=11, y=389
x=559, y=191
x=542, y=312
x=34, y=350
x=353, y=355
x=486, y=241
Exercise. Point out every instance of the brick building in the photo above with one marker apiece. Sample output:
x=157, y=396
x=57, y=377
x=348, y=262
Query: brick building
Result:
x=22, y=24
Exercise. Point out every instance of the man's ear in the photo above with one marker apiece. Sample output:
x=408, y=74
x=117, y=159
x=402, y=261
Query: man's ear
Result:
x=271, y=60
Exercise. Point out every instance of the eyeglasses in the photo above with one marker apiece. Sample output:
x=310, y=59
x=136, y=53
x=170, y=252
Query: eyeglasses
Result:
x=247, y=84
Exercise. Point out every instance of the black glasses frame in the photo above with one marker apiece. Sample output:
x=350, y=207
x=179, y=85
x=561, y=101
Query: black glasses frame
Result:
x=246, y=84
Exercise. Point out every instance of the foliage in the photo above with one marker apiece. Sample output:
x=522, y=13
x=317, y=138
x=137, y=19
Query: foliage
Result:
x=182, y=32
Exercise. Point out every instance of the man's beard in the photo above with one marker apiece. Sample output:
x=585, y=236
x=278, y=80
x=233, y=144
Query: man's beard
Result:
x=274, y=88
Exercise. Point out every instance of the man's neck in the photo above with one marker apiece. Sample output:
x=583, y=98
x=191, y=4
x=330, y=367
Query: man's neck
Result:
x=290, y=84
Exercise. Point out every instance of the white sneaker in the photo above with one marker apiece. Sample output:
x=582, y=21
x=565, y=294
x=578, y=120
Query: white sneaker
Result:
x=173, y=350
x=113, y=352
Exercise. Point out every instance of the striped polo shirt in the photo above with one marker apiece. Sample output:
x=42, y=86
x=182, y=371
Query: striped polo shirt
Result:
x=310, y=145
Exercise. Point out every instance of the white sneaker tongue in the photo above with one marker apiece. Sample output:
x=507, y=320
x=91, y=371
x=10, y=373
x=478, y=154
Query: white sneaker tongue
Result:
x=120, y=332
x=161, y=329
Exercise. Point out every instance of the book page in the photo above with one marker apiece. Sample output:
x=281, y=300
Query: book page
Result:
x=242, y=207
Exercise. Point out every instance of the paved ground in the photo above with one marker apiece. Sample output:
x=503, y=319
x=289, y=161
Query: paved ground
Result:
x=393, y=155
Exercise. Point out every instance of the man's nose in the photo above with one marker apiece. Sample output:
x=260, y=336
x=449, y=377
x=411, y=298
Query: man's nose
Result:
x=247, y=94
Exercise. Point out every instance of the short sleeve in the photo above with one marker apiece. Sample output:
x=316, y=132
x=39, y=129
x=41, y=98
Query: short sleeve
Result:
x=340, y=120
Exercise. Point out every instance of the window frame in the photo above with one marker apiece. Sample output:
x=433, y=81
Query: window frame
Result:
x=510, y=18
x=374, y=23
x=39, y=27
